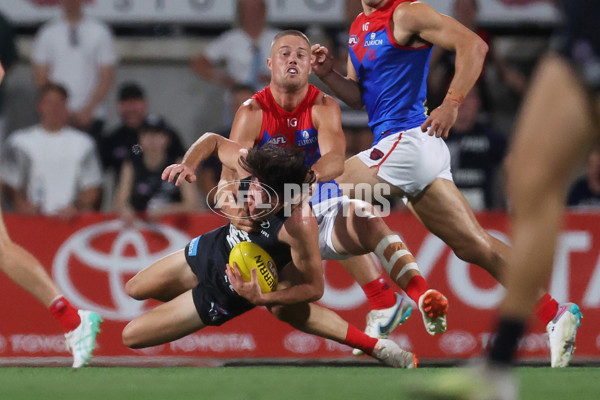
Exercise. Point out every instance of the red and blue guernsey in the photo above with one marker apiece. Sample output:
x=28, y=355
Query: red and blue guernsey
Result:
x=293, y=128
x=392, y=78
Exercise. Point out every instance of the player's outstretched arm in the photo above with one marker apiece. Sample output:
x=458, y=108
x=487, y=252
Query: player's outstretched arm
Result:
x=345, y=88
x=244, y=131
x=207, y=145
x=422, y=20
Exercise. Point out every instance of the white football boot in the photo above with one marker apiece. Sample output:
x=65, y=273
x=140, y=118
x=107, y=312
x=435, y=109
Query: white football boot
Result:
x=561, y=334
x=81, y=341
x=388, y=352
x=380, y=323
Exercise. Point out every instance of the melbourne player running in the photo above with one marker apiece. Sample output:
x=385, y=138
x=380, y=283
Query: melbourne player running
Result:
x=389, y=48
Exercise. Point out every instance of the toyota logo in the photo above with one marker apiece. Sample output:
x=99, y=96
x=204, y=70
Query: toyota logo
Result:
x=128, y=253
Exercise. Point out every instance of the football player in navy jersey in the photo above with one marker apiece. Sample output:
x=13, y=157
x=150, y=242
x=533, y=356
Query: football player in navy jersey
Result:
x=197, y=285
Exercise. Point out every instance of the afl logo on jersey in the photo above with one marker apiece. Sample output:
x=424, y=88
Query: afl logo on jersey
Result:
x=278, y=140
x=353, y=40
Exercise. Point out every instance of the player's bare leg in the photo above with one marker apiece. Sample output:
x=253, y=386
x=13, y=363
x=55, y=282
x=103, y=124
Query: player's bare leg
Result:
x=164, y=280
x=538, y=169
x=23, y=268
x=358, y=230
x=167, y=322
x=320, y=321
x=557, y=103
x=80, y=326
x=445, y=213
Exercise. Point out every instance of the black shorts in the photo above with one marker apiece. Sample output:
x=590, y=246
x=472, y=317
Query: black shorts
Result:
x=216, y=302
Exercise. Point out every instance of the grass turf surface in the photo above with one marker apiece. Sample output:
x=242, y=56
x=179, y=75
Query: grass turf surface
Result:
x=265, y=383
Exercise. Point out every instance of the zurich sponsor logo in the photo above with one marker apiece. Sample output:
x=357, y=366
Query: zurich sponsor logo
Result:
x=353, y=40
x=306, y=137
x=373, y=41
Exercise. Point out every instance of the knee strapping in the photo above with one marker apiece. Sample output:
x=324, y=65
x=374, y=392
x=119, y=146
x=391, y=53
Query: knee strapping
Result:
x=398, y=252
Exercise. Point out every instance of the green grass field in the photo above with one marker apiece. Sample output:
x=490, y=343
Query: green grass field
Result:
x=264, y=383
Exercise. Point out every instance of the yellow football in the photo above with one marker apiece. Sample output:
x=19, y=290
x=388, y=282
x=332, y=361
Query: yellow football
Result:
x=249, y=256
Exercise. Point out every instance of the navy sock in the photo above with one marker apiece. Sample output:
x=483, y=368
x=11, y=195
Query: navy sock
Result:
x=504, y=346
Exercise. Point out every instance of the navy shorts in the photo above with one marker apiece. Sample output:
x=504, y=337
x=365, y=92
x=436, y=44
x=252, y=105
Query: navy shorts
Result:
x=215, y=300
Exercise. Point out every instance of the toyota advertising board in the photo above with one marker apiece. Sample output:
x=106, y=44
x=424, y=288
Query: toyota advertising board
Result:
x=92, y=257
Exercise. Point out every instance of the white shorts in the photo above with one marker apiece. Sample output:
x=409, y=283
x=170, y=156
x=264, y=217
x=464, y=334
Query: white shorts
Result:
x=326, y=212
x=409, y=160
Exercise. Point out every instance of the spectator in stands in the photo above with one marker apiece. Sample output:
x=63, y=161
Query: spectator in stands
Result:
x=210, y=169
x=477, y=151
x=442, y=61
x=141, y=188
x=243, y=51
x=585, y=192
x=8, y=57
x=77, y=52
x=51, y=168
x=119, y=145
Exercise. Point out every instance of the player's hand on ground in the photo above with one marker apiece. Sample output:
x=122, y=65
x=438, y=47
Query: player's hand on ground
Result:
x=322, y=61
x=178, y=173
x=441, y=120
x=248, y=290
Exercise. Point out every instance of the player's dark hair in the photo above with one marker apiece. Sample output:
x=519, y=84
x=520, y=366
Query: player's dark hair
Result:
x=290, y=32
x=275, y=166
x=54, y=87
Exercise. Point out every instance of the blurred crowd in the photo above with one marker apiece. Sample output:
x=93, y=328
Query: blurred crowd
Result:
x=74, y=160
